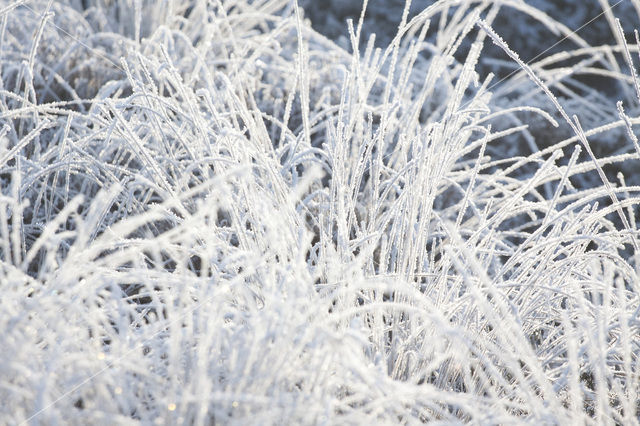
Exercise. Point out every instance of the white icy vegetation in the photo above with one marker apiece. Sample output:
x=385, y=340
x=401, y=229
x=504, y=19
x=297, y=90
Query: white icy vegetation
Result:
x=211, y=214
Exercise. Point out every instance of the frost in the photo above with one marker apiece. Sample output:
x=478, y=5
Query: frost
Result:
x=212, y=213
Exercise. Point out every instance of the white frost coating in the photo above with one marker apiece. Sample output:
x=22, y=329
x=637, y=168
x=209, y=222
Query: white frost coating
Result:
x=210, y=213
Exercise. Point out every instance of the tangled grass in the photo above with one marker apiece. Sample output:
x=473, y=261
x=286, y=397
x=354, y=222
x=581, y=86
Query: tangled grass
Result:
x=210, y=213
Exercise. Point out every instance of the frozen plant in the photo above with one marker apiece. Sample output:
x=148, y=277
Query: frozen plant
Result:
x=210, y=213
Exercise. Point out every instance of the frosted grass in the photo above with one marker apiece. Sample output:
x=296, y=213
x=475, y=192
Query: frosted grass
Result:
x=210, y=213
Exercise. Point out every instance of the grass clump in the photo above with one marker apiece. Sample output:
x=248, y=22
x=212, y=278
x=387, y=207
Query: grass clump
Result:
x=210, y=213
